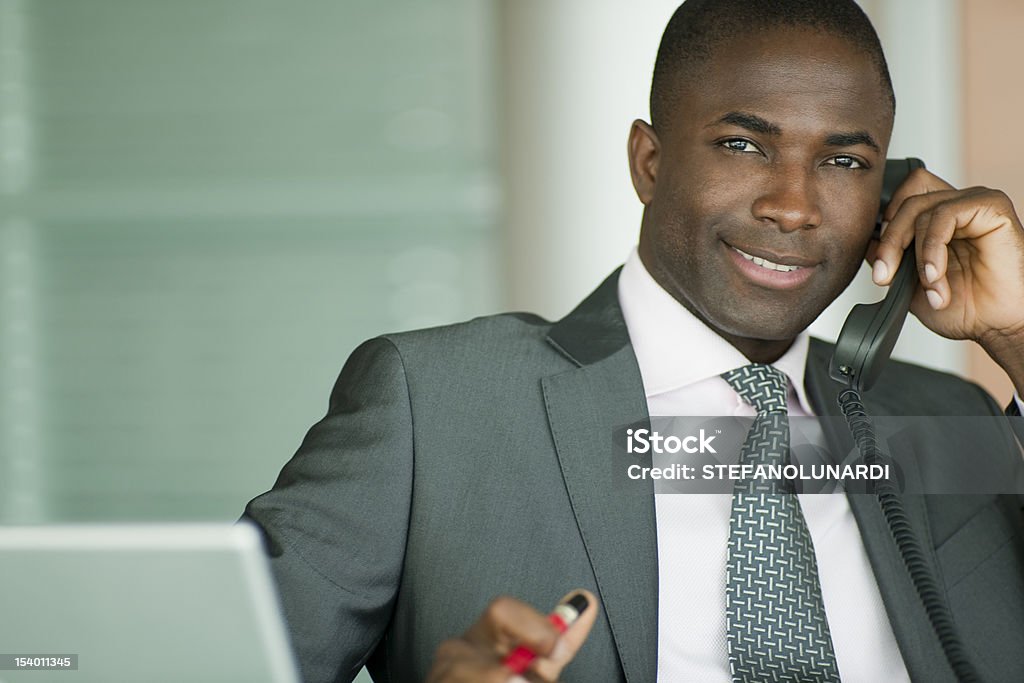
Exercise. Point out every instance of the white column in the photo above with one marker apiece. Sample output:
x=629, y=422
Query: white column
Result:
x=575, y=73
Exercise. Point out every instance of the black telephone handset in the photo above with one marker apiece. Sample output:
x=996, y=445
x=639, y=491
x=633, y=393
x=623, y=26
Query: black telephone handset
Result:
x=865, y=342
x=871, y=330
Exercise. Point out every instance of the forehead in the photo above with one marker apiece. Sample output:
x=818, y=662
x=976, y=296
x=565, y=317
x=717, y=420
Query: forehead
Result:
x=812, y=80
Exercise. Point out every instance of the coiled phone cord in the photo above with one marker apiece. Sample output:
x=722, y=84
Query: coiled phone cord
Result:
x=910, y=549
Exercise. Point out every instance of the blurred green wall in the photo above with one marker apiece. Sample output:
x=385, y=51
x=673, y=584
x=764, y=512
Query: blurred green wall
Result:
x=206, y=204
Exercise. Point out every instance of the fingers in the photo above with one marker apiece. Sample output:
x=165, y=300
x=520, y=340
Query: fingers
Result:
x=550, y=666
x=458, y=661
x=929, y=221
x=898, y=228
x=933, y=231
x=932, y=221
x=506, y=624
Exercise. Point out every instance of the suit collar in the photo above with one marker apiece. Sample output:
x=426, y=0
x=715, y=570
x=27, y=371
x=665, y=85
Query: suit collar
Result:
x=595, y=329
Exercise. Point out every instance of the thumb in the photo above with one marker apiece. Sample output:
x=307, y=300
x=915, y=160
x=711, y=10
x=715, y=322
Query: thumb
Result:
x=569, y=643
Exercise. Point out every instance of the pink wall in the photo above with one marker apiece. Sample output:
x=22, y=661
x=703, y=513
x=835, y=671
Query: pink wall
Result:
x=992, y=32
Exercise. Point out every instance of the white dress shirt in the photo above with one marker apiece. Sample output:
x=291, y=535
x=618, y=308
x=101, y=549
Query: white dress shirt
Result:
x=680, y=362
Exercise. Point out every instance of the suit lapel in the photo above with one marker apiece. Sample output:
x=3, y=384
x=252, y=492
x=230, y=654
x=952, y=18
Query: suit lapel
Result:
x=617, y=524
x=922, y=653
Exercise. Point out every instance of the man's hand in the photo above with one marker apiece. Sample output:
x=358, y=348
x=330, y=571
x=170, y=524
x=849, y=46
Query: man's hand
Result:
x=970, y=260
x=476, y=656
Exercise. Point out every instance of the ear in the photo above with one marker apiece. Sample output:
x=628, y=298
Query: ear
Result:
x=644, y=151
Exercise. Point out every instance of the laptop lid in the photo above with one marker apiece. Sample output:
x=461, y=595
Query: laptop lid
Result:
x=139, y=602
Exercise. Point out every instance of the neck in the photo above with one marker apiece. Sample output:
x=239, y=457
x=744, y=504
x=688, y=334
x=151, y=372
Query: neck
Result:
x=757, y=350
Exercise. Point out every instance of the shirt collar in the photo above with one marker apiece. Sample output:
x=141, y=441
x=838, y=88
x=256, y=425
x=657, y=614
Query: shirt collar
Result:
x=675, y=349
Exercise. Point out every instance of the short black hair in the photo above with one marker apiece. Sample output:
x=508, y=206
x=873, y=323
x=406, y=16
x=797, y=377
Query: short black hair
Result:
x=699, y=26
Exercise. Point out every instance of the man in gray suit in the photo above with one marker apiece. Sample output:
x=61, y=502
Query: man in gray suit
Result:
x=467, y=462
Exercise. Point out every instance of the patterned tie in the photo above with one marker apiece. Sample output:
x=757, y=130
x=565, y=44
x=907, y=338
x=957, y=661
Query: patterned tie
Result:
x=777, y=630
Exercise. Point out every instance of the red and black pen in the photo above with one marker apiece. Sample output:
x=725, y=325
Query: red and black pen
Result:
x=561, y=618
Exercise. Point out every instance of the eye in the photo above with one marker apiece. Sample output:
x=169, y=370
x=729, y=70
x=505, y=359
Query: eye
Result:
x=844, y=161
x=739, y=145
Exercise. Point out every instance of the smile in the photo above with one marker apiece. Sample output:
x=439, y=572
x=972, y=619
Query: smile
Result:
x=765, y=263
x=770, y=274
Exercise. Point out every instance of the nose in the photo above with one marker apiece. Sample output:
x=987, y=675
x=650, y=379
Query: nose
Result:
x=789, y=201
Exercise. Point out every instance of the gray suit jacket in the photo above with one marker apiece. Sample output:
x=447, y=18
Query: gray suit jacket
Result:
x=465, y=462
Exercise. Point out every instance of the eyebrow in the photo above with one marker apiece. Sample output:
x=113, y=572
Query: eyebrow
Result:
x=757, y=124
x=751, y=122
x=859, y=137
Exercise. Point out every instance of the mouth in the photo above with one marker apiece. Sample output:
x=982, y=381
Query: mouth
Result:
x=774, y=271
x=765, y=263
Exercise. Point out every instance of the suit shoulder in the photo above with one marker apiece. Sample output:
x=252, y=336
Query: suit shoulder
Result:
x=478, y=360
x=490, y=346
x=503, y=329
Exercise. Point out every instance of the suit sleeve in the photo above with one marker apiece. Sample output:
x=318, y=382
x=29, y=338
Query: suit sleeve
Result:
x=337, y=518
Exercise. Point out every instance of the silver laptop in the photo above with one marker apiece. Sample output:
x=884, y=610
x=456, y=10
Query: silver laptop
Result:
x=142, y=603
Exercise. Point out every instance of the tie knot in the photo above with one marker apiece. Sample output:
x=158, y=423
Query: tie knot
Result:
x=762, y=386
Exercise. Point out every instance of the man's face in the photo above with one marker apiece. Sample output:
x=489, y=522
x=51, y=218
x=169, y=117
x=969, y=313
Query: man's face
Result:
x=775, y=151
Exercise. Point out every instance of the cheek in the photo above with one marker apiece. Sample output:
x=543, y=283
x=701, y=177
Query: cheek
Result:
x=853, y=236
x=853, y=220
x=694, y=209
x=846, y=252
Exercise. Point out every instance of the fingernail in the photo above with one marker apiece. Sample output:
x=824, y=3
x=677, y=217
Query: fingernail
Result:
x=518, y=679
x=578, y=601
x=879, y=272
x=881, y=231
x=934, y=299
x=931, y=273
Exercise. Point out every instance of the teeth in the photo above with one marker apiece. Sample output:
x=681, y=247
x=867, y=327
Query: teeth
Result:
x=764, y=263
